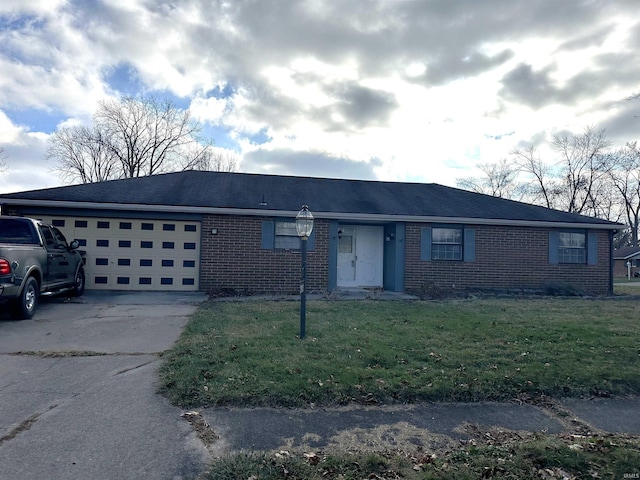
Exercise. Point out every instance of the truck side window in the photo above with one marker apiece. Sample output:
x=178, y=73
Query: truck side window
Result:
x=60, y=240
x=49, y=241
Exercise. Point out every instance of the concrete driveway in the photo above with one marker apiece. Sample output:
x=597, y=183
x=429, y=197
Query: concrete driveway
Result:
x=78, y=390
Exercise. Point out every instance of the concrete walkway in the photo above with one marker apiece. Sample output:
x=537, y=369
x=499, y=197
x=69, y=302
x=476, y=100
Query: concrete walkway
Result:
x=426, y=426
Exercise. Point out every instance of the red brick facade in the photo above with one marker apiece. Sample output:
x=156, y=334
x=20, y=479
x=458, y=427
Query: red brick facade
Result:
x=506, y=258
x=234, y=259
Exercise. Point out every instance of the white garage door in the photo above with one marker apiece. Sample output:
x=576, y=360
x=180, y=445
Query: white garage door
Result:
x=136, y=254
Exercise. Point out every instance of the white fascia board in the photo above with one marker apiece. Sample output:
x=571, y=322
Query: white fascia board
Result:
x=351, y=217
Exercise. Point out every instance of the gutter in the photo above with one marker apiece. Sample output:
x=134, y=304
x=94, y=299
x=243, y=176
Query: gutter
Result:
x=364, y=217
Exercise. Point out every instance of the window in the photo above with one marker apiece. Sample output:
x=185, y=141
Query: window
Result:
x=169, y=227
x=124, y=243
x=282, y=235
x=190, y=228
x=147, y=226
x=189, y=263
x=146, y=244
x=81, y=224
x=102, y=243
x=124, y=262
x=168, y=245
x=61, y=242
x=286, y=235
x=345, y=243
x=572, y=247
x=189, y=246
x=446, y=243
x=146, y=262
x=167, y=263
x=57, y=223
x=125, y=225
x=103, y=224
x=50, y=242
x=102, y=261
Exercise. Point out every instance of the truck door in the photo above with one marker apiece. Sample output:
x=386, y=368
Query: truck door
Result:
x=59, y=266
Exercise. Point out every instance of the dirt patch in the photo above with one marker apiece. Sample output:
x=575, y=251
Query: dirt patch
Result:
x=399, y=437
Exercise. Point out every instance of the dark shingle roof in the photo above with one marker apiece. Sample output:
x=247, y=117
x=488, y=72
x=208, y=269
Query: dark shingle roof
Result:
x=625, y=252
x=288, y=193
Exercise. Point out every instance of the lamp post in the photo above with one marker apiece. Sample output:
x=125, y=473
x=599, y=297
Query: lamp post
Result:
x=304, y=227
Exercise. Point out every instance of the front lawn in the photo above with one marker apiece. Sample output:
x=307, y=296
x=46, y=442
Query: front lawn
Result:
x=248, y=353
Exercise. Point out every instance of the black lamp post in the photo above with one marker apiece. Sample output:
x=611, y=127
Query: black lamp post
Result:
x=304, y=227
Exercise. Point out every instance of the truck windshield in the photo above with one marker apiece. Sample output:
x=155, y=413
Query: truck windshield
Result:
x=17, y=231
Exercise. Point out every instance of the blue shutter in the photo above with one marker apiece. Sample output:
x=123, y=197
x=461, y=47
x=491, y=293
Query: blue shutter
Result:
x=592, y=248
x=268, y=234
x=469, y=247
x=554, y=246
x=425, y=244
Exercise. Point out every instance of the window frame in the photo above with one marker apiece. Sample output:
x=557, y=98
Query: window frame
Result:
x=442, y=244
x=468, y=242
x=567, y=253
x=288, y=238
x=269, y=236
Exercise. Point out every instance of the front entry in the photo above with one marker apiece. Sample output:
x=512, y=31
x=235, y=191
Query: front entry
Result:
x=360, y=256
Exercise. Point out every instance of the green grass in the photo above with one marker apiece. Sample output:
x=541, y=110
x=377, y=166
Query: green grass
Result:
x=248, y=353
x=540, y=456
x=626, y=289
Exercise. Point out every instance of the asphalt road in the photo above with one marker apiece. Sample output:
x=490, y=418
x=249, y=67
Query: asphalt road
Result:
x=96, y=415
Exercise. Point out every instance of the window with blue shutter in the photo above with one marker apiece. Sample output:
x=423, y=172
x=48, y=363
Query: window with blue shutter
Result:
x=573, y=247
x=282, y=235
x=448, y=242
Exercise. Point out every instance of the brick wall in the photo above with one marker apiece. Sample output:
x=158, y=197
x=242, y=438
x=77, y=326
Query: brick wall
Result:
x=507, y=258
x=233, y=259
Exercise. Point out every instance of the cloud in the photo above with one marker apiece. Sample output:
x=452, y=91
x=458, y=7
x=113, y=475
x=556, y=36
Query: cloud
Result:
x=324, y=86
x=444, y=70
x=311, y=164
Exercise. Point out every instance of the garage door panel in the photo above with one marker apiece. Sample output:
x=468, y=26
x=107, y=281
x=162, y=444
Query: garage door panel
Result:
x=136, y=254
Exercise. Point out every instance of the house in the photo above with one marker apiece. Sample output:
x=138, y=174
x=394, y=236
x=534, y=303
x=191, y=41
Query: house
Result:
x=620, y=258
x=212, y=231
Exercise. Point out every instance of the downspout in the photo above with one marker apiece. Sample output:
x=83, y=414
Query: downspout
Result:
x=611, y=234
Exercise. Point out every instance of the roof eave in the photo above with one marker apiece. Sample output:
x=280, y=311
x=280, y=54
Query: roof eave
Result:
x=363, y=217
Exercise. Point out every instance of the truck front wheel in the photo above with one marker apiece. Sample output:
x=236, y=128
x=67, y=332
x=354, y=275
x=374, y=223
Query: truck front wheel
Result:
x=25, y=305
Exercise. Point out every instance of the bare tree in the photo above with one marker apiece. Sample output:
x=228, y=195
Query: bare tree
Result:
x=145, y=135
x=498, y=179
x=576, y=183
x=131, y=137
x=583, y=167
x=625, y=177
x=223, y=162
x=541, y=189
x=205, y=157
x=82, y=155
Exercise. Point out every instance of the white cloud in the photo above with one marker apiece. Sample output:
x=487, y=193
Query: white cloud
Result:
x=425, y=89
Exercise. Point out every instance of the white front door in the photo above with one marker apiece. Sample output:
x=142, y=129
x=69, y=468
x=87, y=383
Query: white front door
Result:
x=360, y=256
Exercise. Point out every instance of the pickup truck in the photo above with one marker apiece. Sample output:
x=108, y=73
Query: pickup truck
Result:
x=35, y=259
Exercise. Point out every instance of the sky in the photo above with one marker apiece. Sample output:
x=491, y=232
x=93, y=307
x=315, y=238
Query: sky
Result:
x=393, y=90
